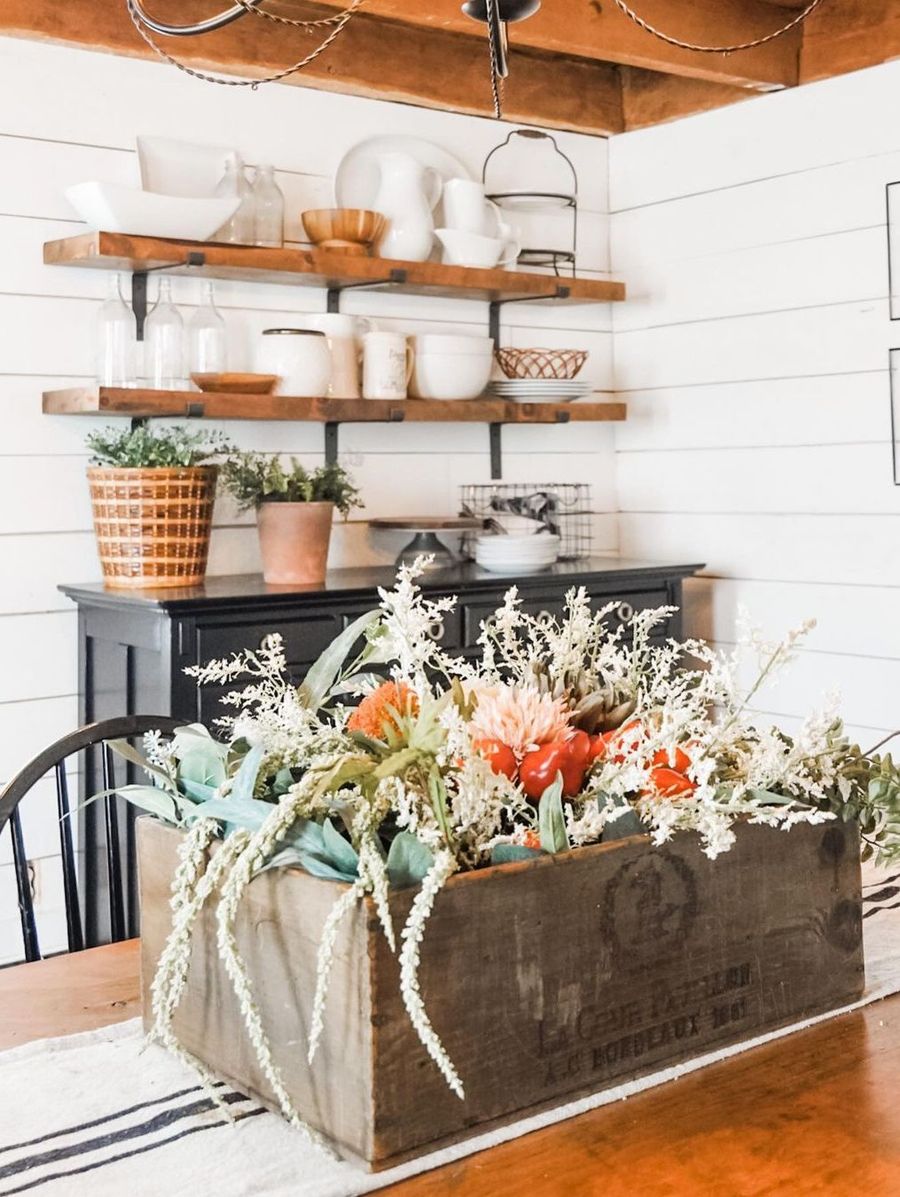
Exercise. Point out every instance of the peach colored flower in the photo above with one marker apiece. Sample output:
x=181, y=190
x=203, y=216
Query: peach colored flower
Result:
x=373, y=717
x=520, y=717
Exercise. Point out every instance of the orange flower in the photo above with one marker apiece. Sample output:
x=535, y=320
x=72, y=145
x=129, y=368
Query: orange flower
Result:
x=374, y=718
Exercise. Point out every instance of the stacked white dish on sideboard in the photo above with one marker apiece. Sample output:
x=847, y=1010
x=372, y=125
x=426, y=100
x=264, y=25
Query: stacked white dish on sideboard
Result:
x=517, y=552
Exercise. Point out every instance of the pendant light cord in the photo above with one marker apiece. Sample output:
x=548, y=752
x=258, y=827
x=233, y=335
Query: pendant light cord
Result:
x=336, y=22
x=496, y=80
x=682, y=45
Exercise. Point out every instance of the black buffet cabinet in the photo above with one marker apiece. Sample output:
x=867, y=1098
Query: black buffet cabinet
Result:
x=133, y=646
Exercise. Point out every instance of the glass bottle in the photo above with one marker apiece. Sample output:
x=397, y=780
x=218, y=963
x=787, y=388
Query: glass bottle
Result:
x=268, y=203
x=116, y=339
x=239, y=230
x=164, y=343
x=207, y=337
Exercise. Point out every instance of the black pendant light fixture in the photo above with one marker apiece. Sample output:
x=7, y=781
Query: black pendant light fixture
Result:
x=498, y=15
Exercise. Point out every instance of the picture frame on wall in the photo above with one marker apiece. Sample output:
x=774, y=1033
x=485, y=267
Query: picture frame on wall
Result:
x=894, y=375
x=892, y=213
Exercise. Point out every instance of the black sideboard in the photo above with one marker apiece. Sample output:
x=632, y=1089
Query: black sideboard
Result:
x=133, y=648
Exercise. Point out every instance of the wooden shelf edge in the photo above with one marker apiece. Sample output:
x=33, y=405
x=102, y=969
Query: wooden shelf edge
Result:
x=139, y=404
x=312, y=267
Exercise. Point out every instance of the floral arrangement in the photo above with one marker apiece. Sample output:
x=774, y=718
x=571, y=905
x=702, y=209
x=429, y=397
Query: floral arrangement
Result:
x=562, y=733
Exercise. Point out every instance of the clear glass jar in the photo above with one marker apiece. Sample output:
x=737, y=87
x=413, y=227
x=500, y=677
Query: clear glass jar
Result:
x=268, y=204
x=207, y=337
x=116, y=339
x=240, y=229
x=164, y=343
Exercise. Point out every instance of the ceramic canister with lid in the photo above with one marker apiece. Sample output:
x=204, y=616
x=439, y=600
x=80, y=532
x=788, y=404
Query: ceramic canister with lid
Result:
x=301, y=359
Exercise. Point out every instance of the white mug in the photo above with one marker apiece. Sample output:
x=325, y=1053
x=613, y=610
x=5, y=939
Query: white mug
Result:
x=466, y=209
x=341, y=332
x=300, y=358
x=387, y=365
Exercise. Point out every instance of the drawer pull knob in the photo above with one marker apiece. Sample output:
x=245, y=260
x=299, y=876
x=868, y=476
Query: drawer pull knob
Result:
x=625, y=612
x=437, y=631
x=544, y=616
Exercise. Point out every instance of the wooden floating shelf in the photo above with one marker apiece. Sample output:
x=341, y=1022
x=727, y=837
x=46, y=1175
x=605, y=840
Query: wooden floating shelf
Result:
x=143, y=404
x=319, y=268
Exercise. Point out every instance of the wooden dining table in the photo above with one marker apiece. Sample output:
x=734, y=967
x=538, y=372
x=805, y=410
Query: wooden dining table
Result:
x=816, y=1113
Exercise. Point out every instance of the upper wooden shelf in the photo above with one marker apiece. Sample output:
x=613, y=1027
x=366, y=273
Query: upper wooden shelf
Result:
x=140, y=404
x=318, y=268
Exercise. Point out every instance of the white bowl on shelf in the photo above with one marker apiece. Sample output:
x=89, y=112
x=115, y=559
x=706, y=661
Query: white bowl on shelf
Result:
x=450, y=367
x=117, y=209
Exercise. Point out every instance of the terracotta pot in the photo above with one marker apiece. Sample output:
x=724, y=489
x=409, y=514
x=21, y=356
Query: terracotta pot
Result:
x=293, y=540
x=153, y=525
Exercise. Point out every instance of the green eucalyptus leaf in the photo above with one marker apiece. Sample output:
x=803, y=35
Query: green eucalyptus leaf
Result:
x=507, y=853
x=324, y=672
x=408, y=860
x=340, y=853
x=203, y=765
x=768, y=798
x=152, y=799
x=196, y=791
x=248, y=814
x=551, y=820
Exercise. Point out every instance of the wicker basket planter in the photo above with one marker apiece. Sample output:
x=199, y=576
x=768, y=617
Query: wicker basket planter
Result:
x=153, y=526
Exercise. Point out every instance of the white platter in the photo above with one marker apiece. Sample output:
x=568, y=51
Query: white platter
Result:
x=182, y=168
x=358, y=176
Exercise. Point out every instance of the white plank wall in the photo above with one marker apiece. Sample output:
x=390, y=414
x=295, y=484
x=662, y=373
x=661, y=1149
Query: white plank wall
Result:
x=84, y=128
x=753, y=356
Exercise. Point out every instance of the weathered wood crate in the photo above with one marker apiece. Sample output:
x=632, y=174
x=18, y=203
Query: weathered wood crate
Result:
x=546, y=980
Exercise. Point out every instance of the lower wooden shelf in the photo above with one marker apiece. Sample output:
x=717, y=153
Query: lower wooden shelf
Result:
x=142, y=404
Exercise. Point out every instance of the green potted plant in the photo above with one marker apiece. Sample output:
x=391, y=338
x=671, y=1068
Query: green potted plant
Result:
x=294, y=512
x=152, y=493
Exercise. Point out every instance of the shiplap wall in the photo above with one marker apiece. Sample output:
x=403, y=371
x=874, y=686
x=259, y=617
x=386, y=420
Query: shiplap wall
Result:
x=753, y=356
x=83, y=127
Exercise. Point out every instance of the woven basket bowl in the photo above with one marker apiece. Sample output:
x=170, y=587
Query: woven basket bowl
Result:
x=558, y=364
x=153, y=525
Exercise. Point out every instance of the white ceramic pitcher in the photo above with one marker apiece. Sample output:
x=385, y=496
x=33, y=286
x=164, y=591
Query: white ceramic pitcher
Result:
x=405, y=196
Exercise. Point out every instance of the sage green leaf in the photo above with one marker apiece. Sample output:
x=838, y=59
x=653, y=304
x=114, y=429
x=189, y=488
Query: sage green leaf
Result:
x=294, y=858
x=244, y=783
x=623, y=824
x=551, y=820
x=195, y=735
x=507, y=853
x=246, y=813
x=408, y=860
x=323, y=673
x=202, y=764
x=768, y=798
x=282, y=782
x=152, y=799
x=196, y=791
x=340, y=853
x=397, y=762
x=123, y=749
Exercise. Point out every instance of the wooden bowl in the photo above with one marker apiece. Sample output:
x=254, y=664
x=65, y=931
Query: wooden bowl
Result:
x=236, y=384
x=346, y=230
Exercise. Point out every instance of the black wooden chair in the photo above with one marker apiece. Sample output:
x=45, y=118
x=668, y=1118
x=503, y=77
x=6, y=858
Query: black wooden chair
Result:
x=104, y=909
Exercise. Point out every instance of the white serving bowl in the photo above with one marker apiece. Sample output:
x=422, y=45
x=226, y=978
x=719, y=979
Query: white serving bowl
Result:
x=471, y=249
x=450, y=375
x=117, y=209
x=182, y=168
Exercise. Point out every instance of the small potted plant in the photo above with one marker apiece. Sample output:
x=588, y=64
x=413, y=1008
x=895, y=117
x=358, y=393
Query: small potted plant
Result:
x=152, y=492
x=294, y=512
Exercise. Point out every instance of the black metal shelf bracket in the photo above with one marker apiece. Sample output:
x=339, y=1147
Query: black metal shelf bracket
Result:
x=560, y=292
x=396, y=415
x=139, y=287
x=397, y=277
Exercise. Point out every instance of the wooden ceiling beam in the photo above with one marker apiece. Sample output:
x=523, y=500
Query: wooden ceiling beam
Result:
x=596, y=29
x=847, y=35
x=649, y=98
x=372, y=57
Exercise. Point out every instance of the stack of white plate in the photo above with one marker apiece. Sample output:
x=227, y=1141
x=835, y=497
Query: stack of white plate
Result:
x=516, y=554
x=541, y=390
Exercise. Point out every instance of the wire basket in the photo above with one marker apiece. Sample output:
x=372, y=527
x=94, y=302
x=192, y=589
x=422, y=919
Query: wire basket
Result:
x=564, y=507
x=153, y=525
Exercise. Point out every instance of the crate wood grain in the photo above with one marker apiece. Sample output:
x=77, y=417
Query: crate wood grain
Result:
x=546, y=980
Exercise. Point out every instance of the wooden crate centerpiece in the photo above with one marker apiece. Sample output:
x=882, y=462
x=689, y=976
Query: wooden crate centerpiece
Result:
x=546, y=979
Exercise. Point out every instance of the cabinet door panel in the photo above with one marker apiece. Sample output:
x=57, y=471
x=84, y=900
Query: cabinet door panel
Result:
x=552, y=603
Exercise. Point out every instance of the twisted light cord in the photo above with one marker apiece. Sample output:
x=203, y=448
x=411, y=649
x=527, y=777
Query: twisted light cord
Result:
x=682, y=45
x=338, y=21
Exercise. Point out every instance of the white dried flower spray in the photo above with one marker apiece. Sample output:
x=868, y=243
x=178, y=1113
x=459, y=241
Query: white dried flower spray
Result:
x=443, y=868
